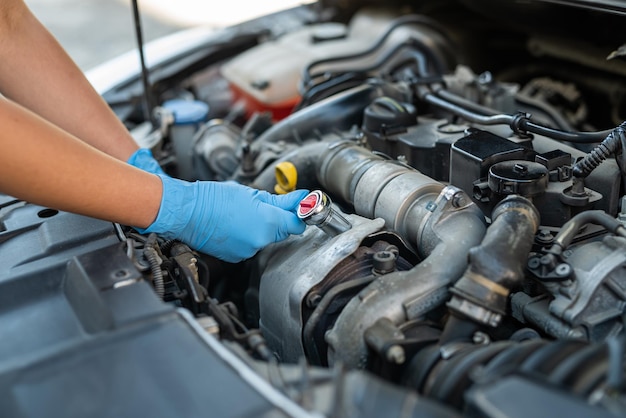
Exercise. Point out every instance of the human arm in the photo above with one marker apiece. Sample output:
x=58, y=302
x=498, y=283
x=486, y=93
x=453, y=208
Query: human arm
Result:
x=43, y=161
x=38, y=74
x=45, y=165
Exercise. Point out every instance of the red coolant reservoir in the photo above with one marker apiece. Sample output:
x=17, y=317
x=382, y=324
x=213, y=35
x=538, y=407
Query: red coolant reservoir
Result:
x=266, y=77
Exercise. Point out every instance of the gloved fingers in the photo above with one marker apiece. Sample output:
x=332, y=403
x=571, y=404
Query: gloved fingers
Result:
x=294, y=225
x=227, y=220
x=143, y=159
x=287, y=201
x=283, y=223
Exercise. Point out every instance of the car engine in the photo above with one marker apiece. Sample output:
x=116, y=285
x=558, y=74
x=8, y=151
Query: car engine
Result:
x=465, y=252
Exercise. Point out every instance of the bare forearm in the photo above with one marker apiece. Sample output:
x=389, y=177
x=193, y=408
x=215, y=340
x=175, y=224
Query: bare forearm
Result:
x=45, y=165
x=37, y=73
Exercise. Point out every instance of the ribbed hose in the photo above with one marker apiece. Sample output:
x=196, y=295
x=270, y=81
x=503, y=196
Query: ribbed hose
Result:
x=495, y=267
x=155, y=268
x=612, y=144
x=579, y=367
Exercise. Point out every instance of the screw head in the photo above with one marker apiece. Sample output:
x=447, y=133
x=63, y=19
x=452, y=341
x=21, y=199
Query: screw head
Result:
x=459, y=200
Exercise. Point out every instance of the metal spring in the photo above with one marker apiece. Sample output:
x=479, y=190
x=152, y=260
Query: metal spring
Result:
x=157, y=274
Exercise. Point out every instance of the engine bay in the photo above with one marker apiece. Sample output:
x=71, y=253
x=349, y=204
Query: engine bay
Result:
x=465, y=248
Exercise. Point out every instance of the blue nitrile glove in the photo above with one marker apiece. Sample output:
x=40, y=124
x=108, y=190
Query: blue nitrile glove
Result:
x=226, y=220
x=143, y=159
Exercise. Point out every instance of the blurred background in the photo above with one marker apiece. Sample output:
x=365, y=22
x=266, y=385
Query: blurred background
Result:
x=94, y=31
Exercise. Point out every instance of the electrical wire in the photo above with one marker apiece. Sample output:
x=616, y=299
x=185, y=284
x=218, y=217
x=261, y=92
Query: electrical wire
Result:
x=519, y=123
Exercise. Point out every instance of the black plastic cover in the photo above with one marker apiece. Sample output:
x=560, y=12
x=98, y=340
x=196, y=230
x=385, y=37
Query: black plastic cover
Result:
x=473, y=155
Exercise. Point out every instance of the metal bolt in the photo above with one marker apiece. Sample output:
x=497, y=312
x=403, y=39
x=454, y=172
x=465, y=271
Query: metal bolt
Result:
x=548, y=261
x=384, y=262
x=563, y=270
x=544, y=236
x=533, y=263
x=459, y=200
x=481, y=191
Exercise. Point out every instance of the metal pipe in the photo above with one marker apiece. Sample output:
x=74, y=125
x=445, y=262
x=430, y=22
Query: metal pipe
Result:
x=572, y=227
x=441, y=222
x=304, y=159
x=402, y=296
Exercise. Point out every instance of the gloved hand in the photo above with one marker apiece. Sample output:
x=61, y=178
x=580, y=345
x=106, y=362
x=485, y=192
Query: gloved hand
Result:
x=227, y=220
x=143, y=159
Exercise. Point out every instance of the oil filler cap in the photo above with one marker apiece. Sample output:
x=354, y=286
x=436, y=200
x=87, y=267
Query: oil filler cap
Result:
x=308, y=205
x=316, y=209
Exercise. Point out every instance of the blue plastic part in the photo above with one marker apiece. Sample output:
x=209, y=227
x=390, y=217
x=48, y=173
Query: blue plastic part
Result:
x=187, y=112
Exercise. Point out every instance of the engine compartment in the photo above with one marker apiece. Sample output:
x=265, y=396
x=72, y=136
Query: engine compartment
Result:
x=471, y=259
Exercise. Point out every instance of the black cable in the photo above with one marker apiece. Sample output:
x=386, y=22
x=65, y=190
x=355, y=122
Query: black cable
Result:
x=519, y=123
x=468, y=115
x=342, y=80
x=577, y=137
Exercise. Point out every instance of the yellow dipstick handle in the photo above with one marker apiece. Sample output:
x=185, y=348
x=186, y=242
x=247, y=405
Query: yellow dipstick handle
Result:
x=286, y=177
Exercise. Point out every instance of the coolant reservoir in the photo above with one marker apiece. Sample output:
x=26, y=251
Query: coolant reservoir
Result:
x=266, y=77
